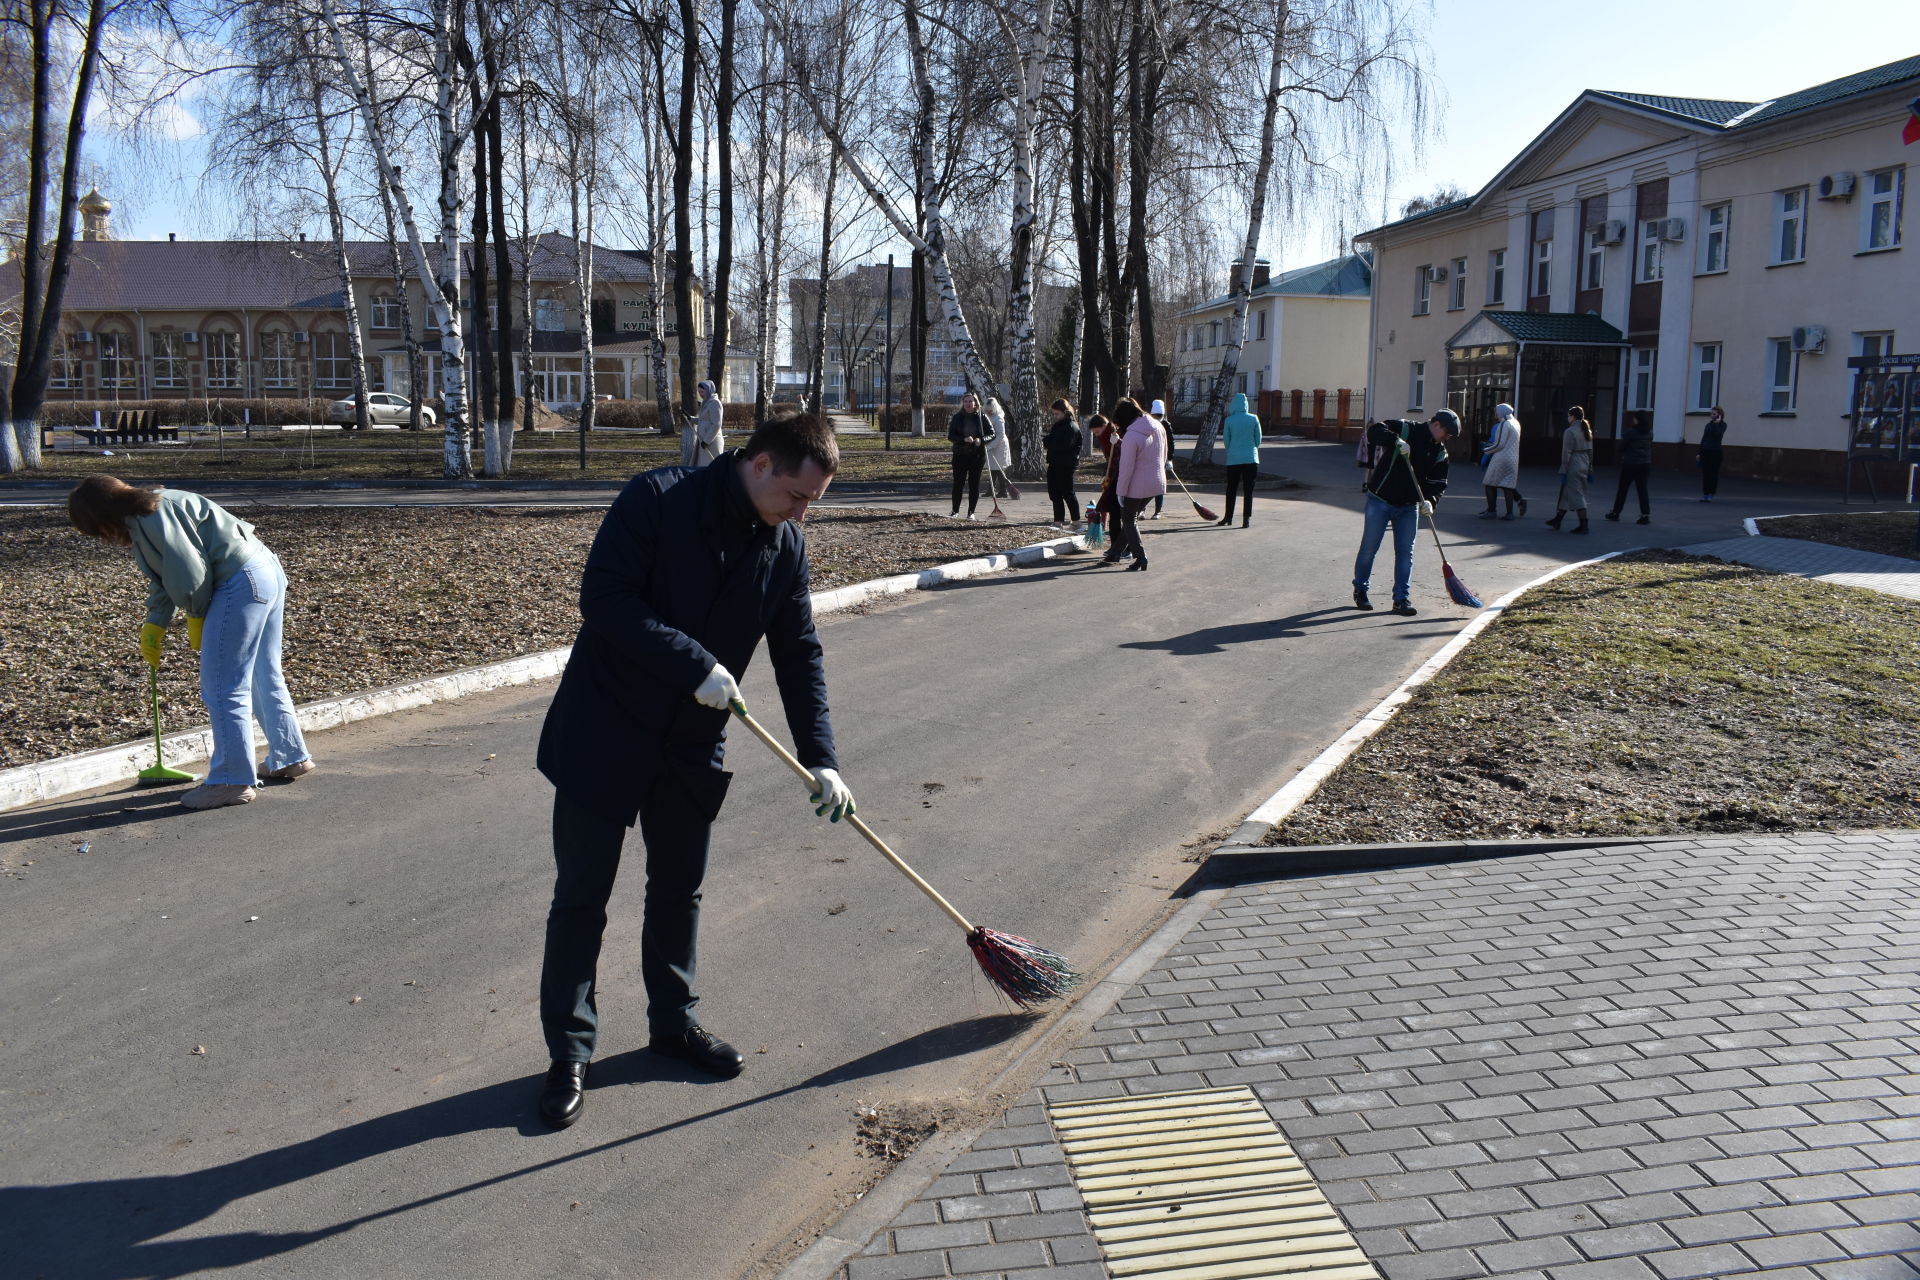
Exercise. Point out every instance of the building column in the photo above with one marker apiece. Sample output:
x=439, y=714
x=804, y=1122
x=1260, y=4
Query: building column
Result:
x=1675, y=352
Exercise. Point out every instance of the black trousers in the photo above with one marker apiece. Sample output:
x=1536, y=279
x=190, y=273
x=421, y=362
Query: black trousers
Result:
x=1634, y=474
x=1240, y=474
x=1126, y=527
x=586, y=853
x=1709, y=472
x=1060, y=491
x=966, y=472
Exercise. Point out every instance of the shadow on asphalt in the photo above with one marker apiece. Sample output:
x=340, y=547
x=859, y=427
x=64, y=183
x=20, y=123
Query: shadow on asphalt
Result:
x=1216, y=639
x=109, y=1230
x=101, y=813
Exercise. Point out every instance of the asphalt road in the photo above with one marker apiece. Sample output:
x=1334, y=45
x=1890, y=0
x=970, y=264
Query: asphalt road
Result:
x=298, y=1039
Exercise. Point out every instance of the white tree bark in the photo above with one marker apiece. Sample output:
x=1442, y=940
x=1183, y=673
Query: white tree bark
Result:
x=337, y=228
x=1033, y=38
x=1256, y=213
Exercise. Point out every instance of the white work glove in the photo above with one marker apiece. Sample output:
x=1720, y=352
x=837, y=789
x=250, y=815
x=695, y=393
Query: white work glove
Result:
x=719, y=690
x=1426, y=508
x=832, y=794
x=1402, y=448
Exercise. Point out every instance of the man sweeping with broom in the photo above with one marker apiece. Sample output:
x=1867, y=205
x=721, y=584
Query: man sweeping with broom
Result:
x=690, y=568
x=1409, y=477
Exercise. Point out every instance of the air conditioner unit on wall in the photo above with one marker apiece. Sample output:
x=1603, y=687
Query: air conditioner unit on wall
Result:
x=1437, y=274
x=1836, y=186
x=1612, y=231
x=84, y=336
x=1673, y=229
x=1810, y=338
x=299, y=335
x=190, y=335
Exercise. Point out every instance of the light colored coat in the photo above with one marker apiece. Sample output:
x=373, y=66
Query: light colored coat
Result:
x=1503, y=458
x=1143, y=460
x=1576, y=464
x=710, y=443
x=187, y=549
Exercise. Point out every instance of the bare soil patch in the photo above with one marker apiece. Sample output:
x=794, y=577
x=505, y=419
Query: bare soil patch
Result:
x=1891, y=533
x=377, y=596
x=1653, y=694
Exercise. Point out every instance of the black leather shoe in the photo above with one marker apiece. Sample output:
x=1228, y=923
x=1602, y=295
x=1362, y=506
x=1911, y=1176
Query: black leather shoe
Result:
x=564, y=1096
x=1404, y=608
x=701, y=1048
x=1360, y=600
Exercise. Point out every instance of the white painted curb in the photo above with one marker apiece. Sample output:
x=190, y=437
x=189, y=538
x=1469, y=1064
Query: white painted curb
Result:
x=69, y=775
x=1301, y=787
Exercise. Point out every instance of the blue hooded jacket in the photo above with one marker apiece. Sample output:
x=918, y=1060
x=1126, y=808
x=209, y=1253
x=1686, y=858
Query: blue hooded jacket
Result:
x=1241, y=433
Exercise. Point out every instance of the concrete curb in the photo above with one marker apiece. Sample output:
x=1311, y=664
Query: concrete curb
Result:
x=47, y=780
x=849, y=1233
x=1236, y=863
x=1300, y=788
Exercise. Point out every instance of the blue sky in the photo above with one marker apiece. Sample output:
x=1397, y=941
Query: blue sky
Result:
x=1504, y=68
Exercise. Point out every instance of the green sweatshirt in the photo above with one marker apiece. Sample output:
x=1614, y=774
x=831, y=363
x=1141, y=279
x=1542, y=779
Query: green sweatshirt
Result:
x=187, y=549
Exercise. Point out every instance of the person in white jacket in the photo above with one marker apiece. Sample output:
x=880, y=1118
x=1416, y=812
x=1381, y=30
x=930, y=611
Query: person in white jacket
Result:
x=1159, y=415
x=702, y=442
x=1502, y=460
x=999, y=453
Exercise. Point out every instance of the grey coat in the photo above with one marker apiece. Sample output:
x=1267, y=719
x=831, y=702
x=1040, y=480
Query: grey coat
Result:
x=1576, y=464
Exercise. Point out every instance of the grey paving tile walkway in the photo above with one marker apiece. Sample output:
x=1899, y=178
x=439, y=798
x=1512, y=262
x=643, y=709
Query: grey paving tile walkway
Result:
x=1891, y=574
x=1689, y=1059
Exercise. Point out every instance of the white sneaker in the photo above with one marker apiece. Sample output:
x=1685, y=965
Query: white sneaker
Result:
x=217, y=795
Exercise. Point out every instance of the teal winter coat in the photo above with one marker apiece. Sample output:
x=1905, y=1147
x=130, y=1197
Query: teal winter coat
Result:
x=1242, y=434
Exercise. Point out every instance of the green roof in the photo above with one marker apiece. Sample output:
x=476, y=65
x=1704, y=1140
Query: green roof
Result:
x=1882, y=77
x=1552, y=327
x=1714, y=111
x=1348, y=276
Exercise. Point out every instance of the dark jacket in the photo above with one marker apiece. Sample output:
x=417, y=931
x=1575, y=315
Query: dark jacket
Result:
x=682, y=574
x=963, y=424
x=1062, y=443
x=1392, y=477
x=1636, y=446
x=1713, y=436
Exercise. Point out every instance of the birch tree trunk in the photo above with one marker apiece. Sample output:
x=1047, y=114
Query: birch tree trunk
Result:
x=1256, y=213
x=337, y=228
x=443, y=292
x=1035, y=38
x=723, y=103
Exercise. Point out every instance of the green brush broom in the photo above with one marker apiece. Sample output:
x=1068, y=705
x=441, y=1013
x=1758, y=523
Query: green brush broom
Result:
x=159, y=772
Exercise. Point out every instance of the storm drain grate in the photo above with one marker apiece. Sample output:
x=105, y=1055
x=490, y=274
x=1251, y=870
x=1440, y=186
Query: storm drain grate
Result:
x=1201, y=1186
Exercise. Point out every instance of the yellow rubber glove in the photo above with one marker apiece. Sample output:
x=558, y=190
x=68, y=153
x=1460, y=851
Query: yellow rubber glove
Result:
x=194, y=627
x=150, y=638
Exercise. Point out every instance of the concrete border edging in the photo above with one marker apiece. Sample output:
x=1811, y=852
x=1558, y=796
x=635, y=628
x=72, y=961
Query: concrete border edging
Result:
x=1231, y=864
x=1281, y=804
x=46, y=780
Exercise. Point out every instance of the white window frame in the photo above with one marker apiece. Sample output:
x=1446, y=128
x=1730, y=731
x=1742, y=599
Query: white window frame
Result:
x=336, y=369
x=1540, y=281
x=64, y=371
x=1873, y=342
x=1262, y=313
x=386, y=311
x=1650, y=258
x=1497, y=278
x=549, y=315
x=1593, y=260
x=1423, y=289
x=1873, y=239
x=116, y=365
x=1643, y=379
x=220, y=350
x=1704, y=380
x=1716, y=238
x=1782, y=397
x=1457, y=286
x=169, y=360
x=276, y=358
x=1417, y=385
x=1789, y=219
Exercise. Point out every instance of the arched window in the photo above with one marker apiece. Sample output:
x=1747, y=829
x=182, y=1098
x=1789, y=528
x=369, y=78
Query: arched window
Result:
x=276, y=358
x=65, y=373
x=169, y=360
x=220, y=348
x=118, y=362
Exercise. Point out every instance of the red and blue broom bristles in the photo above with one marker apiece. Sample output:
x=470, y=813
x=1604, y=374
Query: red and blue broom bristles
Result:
x=1025, y=972
x=1462, y=594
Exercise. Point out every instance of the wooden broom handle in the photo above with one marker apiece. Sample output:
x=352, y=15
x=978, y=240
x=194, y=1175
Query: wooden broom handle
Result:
x=853, y=819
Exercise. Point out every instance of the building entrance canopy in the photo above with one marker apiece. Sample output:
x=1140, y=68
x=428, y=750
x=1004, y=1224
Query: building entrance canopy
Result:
x=1541, y=363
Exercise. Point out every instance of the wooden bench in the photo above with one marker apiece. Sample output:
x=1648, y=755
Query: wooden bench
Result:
x=127, y=426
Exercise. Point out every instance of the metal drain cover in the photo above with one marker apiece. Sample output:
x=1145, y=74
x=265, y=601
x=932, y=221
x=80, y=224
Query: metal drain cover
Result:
x=1201, y=1186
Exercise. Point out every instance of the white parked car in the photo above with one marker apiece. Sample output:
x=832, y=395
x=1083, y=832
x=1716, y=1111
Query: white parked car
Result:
x=383, y=409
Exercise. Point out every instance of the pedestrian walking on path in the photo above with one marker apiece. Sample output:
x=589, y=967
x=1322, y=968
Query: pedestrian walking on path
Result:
x=1576, y=464
x=968, y=432
x=1242, y=434
x=206, y=563
x=1636, y=463
x=1141, y=477
x=1403, y=486
x=1712, y=440
x=690, y=569
x=1502, y=462
x=1062, y=444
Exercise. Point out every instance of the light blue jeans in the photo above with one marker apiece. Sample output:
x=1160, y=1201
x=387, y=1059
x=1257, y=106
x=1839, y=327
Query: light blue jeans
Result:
x=1406, y=527
x=240, y=677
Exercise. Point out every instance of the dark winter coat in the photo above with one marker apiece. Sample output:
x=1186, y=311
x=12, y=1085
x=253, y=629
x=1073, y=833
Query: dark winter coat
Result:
x=963, y=424
x=1392, y=477
x=1636, y=446
x=1062, y=443
x=682, y=574
x=1713, y=436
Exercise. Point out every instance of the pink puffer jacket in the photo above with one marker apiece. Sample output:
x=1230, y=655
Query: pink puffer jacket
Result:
x=1143, y=460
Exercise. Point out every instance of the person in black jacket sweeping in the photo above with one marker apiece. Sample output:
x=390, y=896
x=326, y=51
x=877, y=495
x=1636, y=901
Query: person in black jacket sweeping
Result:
x=690, y=568
x=1062, y=443
x=1408, y=477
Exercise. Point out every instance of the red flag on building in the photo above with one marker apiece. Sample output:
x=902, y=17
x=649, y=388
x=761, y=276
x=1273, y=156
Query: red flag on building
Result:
x=1911, y=134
